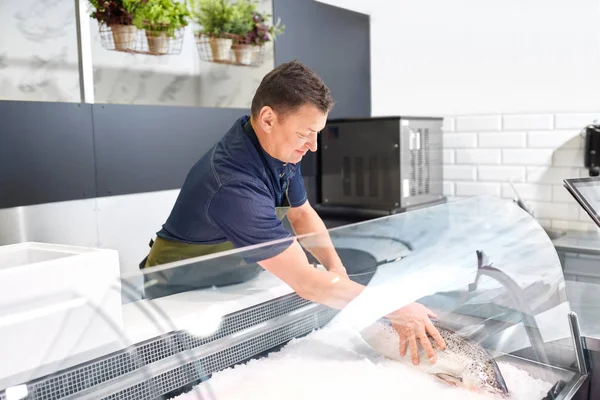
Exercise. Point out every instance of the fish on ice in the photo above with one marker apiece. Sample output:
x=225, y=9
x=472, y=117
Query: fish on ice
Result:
x=464, y=363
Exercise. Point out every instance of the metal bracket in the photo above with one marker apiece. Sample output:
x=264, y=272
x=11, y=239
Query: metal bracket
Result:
x=484, y=267
x=578, y=343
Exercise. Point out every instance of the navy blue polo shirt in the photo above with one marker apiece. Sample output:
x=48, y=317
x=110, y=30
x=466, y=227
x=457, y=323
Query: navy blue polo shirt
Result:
x=231, y=193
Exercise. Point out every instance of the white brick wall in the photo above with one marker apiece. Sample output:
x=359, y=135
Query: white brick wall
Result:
x=537, y=151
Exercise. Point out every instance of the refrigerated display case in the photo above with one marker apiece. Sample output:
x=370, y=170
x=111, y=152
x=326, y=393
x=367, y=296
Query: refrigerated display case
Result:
x=484, y=266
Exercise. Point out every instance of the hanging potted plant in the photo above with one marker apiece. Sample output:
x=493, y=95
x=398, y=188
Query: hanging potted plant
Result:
x=161, y=20
x=116, y=15
x=242, y=23
x=215, y=18
x=254, y=39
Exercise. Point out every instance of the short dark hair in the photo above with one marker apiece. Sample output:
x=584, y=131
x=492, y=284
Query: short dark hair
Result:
x=289, y=87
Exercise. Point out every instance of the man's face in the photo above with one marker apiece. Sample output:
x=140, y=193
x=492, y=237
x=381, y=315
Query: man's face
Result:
x=291, y=136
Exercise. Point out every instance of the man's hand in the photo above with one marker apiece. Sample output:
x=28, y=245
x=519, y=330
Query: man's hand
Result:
x=412, y=322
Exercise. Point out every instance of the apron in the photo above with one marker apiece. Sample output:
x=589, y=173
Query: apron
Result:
x=222, y=271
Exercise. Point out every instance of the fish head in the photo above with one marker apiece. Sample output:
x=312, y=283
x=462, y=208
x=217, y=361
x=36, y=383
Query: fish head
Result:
x=485, y=377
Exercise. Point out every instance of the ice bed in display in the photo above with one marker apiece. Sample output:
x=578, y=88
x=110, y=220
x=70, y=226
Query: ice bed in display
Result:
x=483, y=265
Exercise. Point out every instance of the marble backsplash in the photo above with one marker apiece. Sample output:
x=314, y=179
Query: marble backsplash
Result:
x=38, y=51
x=39, y=63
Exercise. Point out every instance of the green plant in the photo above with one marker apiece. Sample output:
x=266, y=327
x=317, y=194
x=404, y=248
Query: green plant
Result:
x=215, y=17
x=242, y=17
x=161, y=16
x=262, y=32
x=114, y=12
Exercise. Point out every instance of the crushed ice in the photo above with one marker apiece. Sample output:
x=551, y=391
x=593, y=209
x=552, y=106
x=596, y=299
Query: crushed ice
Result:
x=319, y=366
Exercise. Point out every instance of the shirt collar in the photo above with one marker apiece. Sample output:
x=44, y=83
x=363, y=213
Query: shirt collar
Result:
x=277, y=166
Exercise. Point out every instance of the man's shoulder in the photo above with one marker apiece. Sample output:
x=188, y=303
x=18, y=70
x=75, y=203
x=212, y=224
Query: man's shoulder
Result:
x=235, y=158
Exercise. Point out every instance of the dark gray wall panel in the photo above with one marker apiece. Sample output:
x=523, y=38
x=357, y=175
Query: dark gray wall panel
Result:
x=333, y=42
x=46, y=153
x=149, y=148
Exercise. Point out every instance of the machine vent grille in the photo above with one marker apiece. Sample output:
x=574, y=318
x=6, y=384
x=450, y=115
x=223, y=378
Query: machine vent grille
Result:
x=360, y=176
x=198, y=370
x=373, y=177
x=387, y=176
x=347, y=176
x=73, y=380
x=420, y=164
x=361, y=179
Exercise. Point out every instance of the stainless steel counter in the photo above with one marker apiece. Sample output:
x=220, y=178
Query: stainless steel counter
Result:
x=580, y=256
x=581, y=242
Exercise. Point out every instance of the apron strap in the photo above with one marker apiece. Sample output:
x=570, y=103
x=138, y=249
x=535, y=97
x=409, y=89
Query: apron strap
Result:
x=143, y=263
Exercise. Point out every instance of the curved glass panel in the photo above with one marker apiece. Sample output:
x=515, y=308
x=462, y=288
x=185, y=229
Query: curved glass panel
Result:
x=483, y=266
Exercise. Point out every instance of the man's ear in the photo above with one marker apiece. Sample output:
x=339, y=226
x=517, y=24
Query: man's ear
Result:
x=266, y=119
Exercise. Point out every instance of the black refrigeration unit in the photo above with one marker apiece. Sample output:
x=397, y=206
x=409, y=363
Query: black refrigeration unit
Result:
x=380, y=166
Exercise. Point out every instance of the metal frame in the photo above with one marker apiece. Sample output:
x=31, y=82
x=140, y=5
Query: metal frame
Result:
x=84, y=52
x=570, y=185
x=582, y=365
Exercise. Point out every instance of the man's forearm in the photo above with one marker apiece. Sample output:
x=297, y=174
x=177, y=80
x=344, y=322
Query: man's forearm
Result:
x=331, y=290
x=313, y=284
x=319, y=245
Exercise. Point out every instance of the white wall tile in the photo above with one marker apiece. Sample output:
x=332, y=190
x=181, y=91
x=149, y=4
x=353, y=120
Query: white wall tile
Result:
x=554, y=139
x=448, y=125
x=478, y=123
x=573, y=226
x=575, y=121
x=528, y=191
x=568, y=158
x=478, y=156
x=561, y=195
x=526, y=156
x=477, y=188
x=527, y=122
x=502, y=140
x=546, y=223
x=536, y=151
x=551, y=175
x=501, y=173
x=460, y=173
x=561, y=211
x=460, y=140
x=448, y=188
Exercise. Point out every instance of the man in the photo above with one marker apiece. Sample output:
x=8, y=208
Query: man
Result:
x=237, y=194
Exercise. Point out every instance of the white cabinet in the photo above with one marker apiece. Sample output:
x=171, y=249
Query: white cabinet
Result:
x=56, y=302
